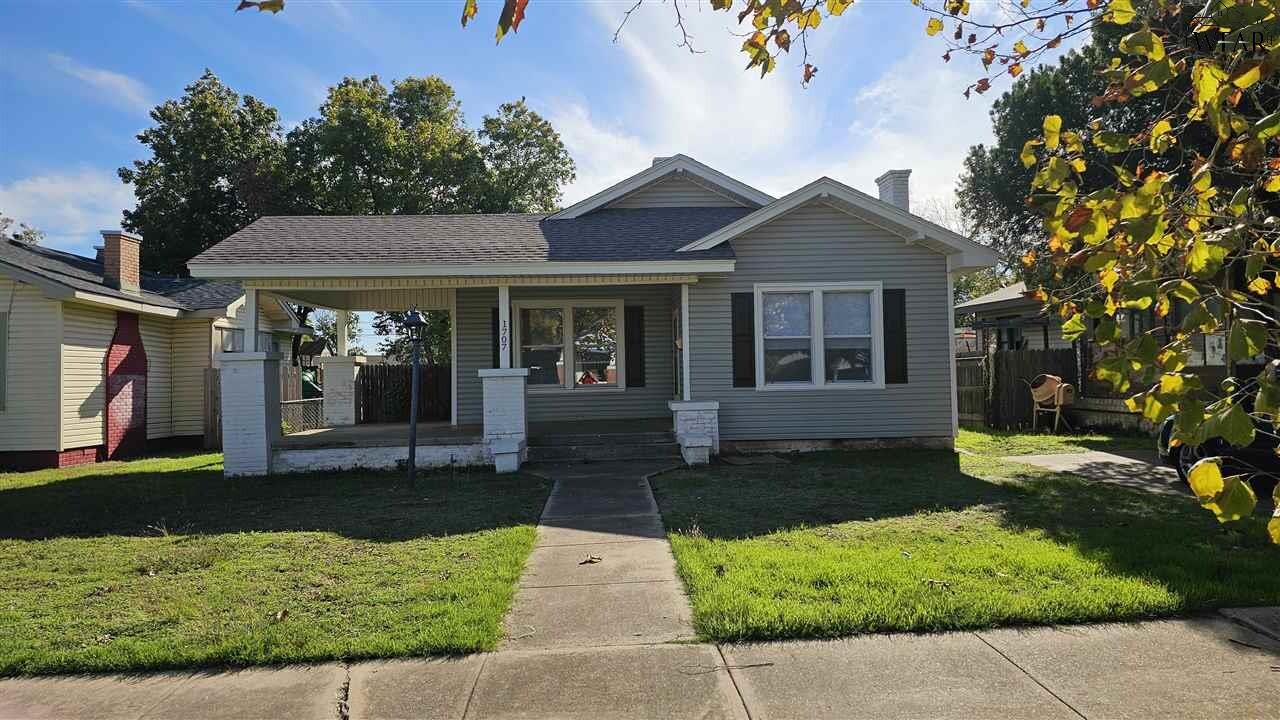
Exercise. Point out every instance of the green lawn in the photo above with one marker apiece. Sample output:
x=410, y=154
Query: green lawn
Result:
x=1000, y=443
x=164, y=563
x=838, y=543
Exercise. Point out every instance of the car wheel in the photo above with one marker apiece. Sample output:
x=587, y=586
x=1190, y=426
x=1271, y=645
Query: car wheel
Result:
x=1187, y=456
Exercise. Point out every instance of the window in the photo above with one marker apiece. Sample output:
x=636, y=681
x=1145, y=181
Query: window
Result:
x=542, y=345
x=570, y=344
x=787, y=340
x=822, y=335
x=846, y=336
x=231, y=339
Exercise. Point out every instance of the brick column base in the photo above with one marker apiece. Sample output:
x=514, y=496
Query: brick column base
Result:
x=340, y=388
x=697, y=425
x=506, y=426
x=250, y=411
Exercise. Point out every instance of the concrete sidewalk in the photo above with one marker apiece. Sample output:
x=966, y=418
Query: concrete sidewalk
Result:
x=1110, y=468
x=1208, y=667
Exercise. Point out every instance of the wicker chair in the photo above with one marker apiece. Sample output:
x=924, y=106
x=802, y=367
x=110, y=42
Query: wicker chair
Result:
x=1049, y=394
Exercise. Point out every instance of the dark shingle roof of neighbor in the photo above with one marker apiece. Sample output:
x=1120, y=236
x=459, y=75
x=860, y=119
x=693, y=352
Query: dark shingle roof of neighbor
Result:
x=86, y=274
x=601, y=236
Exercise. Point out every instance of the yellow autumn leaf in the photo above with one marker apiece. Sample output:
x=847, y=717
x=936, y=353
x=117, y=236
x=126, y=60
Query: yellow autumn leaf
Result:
x=1272, y=183
x=1028, y=154
x=837, y=7
x=1020, y=48
x=1052, y=131
x=933, y=27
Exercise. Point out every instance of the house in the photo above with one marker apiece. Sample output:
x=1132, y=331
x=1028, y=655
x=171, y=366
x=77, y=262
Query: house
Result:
x=98, y=359
x=1007, y=319
x=678, y=298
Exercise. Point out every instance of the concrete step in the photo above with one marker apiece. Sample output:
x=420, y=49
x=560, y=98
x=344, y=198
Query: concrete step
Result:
x=592, y=452
x=582, y=439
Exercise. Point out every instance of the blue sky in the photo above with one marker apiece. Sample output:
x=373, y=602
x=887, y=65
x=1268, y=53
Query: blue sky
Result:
x=78, y=79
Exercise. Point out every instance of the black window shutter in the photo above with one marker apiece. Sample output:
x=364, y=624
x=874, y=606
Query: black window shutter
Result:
x=634, y=347
x=895, y=336
x=493, y=327
x=744, y=339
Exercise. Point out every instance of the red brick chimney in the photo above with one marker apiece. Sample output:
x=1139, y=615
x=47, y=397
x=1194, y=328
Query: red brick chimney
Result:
x=120, y=260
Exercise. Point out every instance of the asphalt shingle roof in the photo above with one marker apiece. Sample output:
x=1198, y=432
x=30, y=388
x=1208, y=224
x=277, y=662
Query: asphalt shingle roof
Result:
x=82, y=273
x=1003, y=295
x=601, y=236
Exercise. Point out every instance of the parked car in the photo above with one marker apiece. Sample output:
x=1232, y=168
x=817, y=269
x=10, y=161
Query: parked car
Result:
x=1258, y=460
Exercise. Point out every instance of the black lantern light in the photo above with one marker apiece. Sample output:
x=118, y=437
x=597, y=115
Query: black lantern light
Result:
x=415, y=326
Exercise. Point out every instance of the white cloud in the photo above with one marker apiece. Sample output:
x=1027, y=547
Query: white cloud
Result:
x=771, y=133
x=70, y=207
x=113, y=87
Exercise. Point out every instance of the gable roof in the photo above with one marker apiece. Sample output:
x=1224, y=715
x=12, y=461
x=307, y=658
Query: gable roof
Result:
x=1008, y=297
x=77, y=273
x=468, y=244
x=962, y=253
x=676, y=164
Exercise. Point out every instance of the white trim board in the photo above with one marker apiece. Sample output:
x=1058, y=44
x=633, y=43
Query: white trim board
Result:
x=391, y=270
x=674, y=164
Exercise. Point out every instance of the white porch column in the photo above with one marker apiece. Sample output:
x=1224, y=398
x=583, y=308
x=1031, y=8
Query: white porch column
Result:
x=340, y=388
x=504, y=326
x=505, y=422
x=687, y=386
x=251, y=320
x=697, y=426
x=250, y=411
x=342, y=319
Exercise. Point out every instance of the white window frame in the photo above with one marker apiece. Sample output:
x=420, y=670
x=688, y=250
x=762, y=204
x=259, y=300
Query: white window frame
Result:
x=566, y=306
x=817, y=339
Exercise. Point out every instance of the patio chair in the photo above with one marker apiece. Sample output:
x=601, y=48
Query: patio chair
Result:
x=1049, y=394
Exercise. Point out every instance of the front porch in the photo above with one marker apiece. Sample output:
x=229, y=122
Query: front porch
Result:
x=579, y=364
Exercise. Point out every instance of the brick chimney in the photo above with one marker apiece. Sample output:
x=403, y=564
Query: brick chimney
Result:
x=120, y=260
x=894, y=189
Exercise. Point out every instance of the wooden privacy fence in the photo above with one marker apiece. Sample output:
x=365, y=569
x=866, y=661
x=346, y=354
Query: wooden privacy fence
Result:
x=382, y=393
x=993, y=390
x=971, y=390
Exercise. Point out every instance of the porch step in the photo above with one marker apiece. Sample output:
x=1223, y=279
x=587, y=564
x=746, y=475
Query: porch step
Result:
x=581, y=439
x=601, y=452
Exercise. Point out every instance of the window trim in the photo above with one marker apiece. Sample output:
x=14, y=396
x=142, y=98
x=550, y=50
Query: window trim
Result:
x=566, y=306
x=817, y=337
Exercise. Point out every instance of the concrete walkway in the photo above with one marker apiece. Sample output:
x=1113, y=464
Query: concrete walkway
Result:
x=601, y=572
x=594, y=640
x=1133, y=472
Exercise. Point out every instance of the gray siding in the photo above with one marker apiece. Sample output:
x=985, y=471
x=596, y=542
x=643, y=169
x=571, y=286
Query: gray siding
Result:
x=672, y=191
x=475, y=351
x=816, y=243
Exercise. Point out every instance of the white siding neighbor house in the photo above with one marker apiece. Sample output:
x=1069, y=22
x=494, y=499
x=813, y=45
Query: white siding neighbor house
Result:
x=678, y=303
x=98, y=359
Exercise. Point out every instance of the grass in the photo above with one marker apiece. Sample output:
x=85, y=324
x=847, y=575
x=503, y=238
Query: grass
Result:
x=840, y=543
x=163, y=563
x=1001, y=443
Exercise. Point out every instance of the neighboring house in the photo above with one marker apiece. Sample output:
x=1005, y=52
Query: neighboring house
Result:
x=824, y=315
x=1009, y=320
x=97, y=358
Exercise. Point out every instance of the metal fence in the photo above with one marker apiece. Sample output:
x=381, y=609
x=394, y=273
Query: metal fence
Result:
x=299, y=415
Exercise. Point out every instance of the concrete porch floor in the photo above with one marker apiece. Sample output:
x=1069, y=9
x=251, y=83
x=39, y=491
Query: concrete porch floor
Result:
x=442, y=433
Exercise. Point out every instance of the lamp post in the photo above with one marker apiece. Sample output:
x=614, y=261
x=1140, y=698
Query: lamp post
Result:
x=415, y=326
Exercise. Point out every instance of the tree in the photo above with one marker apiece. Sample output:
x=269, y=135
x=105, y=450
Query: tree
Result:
x=325, y=324
x=435, y=351
x=217, y=164
x=24, y=234
x=525, y=160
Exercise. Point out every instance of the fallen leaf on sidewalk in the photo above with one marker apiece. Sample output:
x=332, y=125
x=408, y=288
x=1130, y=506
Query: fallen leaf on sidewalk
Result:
x=591, y=560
